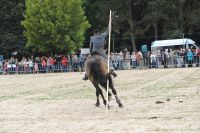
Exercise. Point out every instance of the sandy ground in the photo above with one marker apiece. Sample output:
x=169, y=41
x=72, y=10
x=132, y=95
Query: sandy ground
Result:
x=63, y=103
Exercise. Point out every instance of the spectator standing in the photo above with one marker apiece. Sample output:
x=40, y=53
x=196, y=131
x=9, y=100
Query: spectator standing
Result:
x=138, y=59
x=15, y=65
x=75, y=62
x=115, y=61
x=30, y=64
x=182, y=56
x=198, y=57
x=195, y=51
x=133, y=60
x=149, y=59
x=81, y=61
x=64, y=62
x=190, y=57
x=58, y=59
x=36, y=65
x=166, y=58
x=159, y=58
x=48, y=64
x=127, y=65
x=25, y=64
x=5, y=67
x=120, y=60
x=44, y=64
x=179, y=59
x=172, y=58
x=153, y=60
x=1, y=65
x=141, y=59
x=52, y=64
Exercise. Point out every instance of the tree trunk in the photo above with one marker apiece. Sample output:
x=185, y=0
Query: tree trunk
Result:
x=133, y=43
x=156, y=29
x=181, y=12
x=155, y=24
x=130, y=20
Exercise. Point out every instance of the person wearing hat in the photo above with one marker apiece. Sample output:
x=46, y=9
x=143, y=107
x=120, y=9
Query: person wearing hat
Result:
x=97, y=44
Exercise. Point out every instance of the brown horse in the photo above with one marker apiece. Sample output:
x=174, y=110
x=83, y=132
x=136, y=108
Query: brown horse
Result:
x=97, y=71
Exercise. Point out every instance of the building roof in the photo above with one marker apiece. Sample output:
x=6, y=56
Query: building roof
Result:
x=172, y=42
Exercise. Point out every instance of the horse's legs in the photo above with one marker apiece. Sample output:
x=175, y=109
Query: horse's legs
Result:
x=109, y=94
x=97, y=94
x=114, y=92
x=99, y=91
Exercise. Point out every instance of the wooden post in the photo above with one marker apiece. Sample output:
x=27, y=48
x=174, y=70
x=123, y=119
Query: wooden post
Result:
x=109, y=26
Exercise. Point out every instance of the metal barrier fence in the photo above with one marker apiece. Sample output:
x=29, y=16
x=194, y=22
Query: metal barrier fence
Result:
x=124, y=64
x=40, y=68
x=160, y=62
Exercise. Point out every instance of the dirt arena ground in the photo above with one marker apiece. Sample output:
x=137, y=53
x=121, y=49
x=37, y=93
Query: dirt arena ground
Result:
x=155, y=101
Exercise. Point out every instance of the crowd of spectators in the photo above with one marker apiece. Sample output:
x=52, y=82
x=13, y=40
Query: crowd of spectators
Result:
x=121, y=61
x=156, y=59
x=44, y=64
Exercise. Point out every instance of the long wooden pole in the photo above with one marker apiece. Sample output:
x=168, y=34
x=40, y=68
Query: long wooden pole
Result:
x=109, y=28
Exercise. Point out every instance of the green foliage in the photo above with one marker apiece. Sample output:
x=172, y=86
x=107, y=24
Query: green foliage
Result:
x=192, y=15
x=166, y=18
x=60, y=25
x=126, y=24
x=55, y=25
x=11, y=31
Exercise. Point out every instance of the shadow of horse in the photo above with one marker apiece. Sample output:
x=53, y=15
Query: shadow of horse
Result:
x=97, y=71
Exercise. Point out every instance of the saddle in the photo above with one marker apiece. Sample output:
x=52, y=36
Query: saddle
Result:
x=95, y=53
x=111, y=71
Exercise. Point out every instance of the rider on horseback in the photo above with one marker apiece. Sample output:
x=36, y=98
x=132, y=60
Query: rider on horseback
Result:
x=97, y=42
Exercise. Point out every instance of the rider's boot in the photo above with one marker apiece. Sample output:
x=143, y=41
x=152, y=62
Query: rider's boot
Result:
x=85, y=77
x=113, y=73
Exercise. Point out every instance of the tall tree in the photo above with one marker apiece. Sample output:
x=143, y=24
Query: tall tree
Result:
x=11, y=31
x=192, y=15
x=125, y=25
x=55, y=25
x=154, y=15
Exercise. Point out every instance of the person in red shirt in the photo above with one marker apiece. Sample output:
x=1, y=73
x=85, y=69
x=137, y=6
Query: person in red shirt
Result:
x=64, y=63
x=44, y=64
x=52, y=64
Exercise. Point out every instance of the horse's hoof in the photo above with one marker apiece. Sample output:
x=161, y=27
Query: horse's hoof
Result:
x=97, y=104
x=108, y=106
x=120, y=105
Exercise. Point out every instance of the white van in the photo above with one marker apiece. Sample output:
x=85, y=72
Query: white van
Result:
x=174, y=43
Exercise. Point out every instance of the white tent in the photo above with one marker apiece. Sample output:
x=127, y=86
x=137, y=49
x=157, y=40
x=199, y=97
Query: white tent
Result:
x=172, y=42
x=85, y=50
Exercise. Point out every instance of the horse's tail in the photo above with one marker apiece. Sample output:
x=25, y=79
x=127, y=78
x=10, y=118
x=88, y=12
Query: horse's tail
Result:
x=96, y=69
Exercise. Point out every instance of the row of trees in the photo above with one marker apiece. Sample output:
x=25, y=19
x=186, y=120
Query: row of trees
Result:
x=147, y=17
x=11, y=30
x=63, y=25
